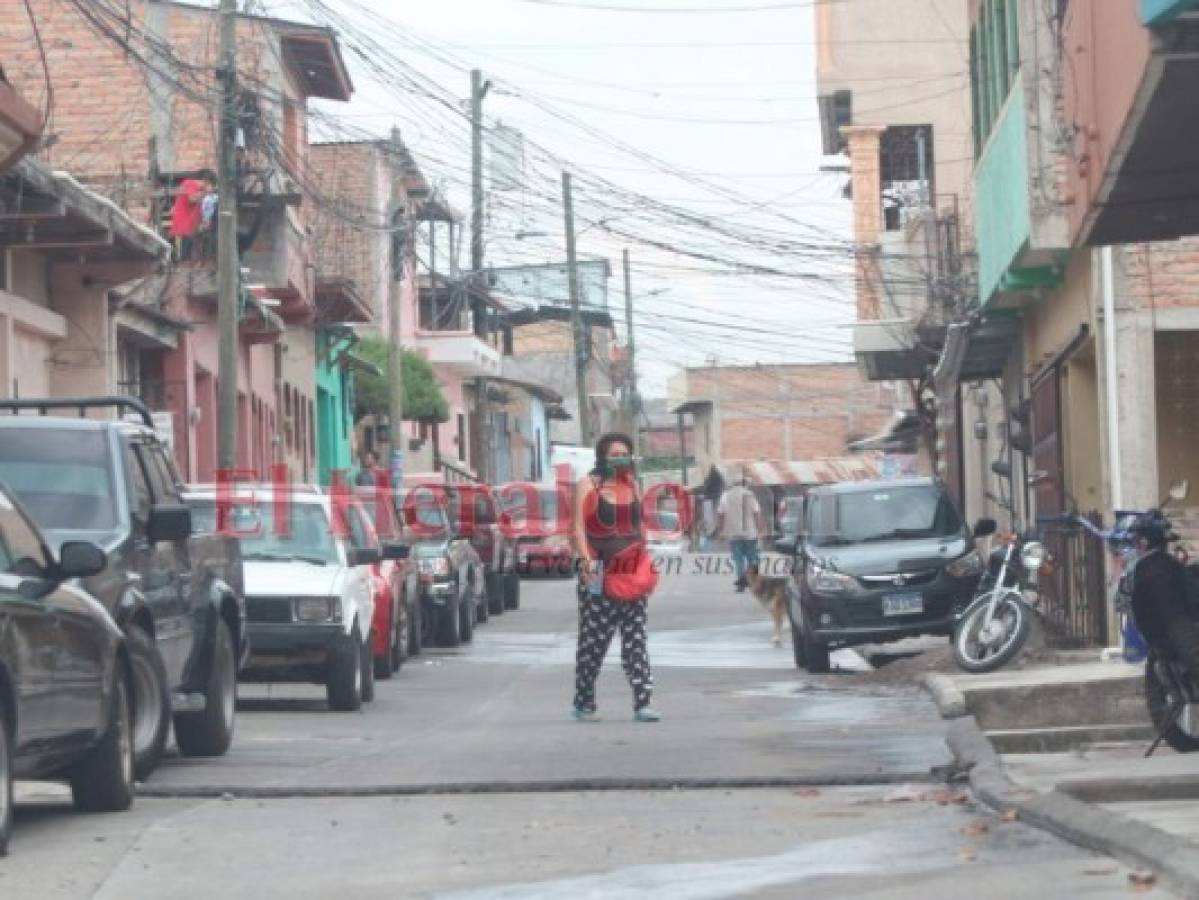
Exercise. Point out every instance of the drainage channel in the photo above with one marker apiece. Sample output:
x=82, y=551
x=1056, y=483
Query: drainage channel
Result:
x=559, y=786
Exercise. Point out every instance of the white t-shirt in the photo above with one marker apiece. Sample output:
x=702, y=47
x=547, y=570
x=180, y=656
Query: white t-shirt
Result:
x=740, y=509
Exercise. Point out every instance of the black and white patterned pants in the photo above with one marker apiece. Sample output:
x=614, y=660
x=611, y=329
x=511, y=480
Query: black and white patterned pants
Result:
x=599, y=618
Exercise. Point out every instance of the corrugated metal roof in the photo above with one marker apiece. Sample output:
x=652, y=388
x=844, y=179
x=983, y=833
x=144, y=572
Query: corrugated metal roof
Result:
x=777, y=472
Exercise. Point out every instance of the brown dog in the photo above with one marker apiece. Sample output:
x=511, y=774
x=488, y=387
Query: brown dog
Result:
x=771, y=592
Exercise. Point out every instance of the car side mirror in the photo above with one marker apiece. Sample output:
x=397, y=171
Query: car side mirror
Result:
x=363, y=556
x=80, y=559
x=985, y=527
x=396, y=550
x=169, y=522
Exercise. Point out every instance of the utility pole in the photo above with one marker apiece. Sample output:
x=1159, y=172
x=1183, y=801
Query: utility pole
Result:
x=582, y=351
x=478, y=91
x=228, y=265
x=395, y=352
x=633, y=400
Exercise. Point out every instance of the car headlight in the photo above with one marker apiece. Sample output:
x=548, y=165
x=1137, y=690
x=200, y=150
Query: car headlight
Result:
x=1033, y=556
x=966, y=566
x=437, y=565
x=318, y=609
x=829, y=581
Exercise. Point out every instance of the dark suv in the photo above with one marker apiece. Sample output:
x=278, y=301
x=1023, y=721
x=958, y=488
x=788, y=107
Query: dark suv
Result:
x=877, y=561
x=479, y=519
x=176, y=595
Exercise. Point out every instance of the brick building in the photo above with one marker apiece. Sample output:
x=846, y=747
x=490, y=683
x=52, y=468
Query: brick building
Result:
x=133, y=132
x=780, y=412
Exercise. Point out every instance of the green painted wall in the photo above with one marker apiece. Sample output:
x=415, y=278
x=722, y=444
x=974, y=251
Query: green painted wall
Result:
x=334, y=411
x=1161, y=12
x=1003, y=219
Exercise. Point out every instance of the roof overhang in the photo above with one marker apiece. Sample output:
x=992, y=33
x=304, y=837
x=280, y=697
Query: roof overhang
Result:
x=530, y=315
x=52, y=212
x=20, y=125
x=989, y=343
x=316, y=56
x=692, y=406
x=339, y=300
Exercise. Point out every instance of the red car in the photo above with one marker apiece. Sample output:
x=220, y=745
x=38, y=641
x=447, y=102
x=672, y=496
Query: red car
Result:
x=395, y=632
x=544, y=545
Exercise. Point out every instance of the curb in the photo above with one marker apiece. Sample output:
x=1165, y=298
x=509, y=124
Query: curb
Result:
x=951, y=702
x=1173, y=859
x=568, y=785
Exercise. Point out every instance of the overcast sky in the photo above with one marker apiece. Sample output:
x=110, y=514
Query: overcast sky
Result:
x=728, y=97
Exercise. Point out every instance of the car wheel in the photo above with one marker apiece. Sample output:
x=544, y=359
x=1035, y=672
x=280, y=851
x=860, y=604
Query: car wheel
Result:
x=151, y=702
x=481, y=602
x=447, y=624
x=381, y=665
x=103, y=780
x=416, y=634
x=512, y=591
x=495, y=593
x=368, y=672
x=402, y=642
x=210, y=732
x=344, y=687
x=6, y=745
x=468, y=608
x=815, y=653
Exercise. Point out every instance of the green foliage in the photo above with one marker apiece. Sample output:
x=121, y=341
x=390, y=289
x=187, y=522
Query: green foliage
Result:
x=423, y=400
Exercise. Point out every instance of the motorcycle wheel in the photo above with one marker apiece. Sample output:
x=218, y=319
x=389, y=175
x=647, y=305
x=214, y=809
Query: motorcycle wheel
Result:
x=979, y=646
x=1183, y=735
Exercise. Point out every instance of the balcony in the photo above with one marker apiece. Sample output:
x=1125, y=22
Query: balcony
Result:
x=462, y=352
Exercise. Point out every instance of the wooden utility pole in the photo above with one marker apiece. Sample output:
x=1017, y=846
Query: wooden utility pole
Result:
x=395, y=351
x=582, y=351
x=228, y=264
x=633, y=401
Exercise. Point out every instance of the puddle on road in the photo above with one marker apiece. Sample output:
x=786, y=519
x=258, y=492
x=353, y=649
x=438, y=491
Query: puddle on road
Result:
x=890, y=852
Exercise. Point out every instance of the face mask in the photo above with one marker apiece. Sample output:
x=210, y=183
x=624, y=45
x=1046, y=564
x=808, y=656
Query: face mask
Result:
x=620, y=464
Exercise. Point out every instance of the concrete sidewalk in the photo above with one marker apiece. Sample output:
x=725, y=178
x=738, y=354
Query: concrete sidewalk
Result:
x=1062, y=746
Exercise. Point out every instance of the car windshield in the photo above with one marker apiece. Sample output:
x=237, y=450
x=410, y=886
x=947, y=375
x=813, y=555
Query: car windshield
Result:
x=304, y=535
x=882, y=514
x=61, y=475
x=668, y=520
x=425, y=510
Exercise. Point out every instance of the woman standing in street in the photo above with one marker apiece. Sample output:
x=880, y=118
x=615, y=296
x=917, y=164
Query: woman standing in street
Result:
x=607, y=522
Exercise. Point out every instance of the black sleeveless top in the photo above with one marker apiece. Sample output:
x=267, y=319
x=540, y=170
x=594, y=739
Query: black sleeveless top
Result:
x=611, y=527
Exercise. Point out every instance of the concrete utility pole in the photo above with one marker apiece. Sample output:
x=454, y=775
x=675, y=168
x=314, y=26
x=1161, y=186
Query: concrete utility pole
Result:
x=395, y=351
x=228, y=264
x=582, y=351
x=478, y=91
x=633, y=400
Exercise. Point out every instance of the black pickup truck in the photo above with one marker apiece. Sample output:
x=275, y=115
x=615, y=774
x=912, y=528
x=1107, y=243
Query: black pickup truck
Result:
x=176, y=595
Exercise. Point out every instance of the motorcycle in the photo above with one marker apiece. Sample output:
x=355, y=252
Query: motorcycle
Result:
x=995, y=625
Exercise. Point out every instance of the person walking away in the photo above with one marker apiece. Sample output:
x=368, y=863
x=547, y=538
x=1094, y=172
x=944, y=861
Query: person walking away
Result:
x=607, y=522
x=739, y=518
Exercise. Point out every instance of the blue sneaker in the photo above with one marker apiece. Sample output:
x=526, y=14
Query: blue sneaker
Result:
x=584, y=715
x=645, y=714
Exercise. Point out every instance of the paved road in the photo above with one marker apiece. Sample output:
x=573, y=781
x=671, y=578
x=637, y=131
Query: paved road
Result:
x=493, y=716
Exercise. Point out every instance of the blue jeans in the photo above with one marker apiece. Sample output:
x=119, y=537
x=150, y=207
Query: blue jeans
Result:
x=745, y=553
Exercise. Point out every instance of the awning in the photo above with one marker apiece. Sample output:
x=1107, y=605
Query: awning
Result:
x=692, y=406
x=902, y=435
x=989, y=343
x=778, y=473
x=340, y=300
x=355, y=363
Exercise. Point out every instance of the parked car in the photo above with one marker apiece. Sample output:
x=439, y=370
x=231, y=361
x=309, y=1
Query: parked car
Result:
x=451, y=574
x=877, y=561
x=544, y=545
x=175, y=594
x=475, y=513
x=65, y=673
x=309, y=586
x=396, y=628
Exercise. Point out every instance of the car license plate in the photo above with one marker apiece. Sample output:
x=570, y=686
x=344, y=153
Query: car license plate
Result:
x=902, y=604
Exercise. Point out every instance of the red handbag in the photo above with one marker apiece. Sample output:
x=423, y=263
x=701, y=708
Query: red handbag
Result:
x=630, y=575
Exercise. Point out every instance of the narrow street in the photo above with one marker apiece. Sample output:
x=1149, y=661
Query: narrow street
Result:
x=466, y=778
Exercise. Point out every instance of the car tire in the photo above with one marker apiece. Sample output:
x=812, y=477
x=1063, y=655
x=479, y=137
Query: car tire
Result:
x=495, y=593
x=210, y=731
x=468, y=608
x=344, y=687
x=403, y=641
x=382, y=665
x=815, y=653
x=151, y=702
x=103, y=780
x=512, y=591
x=6, y=749
x=447, y=624
x=368, y=672
x=416, y=633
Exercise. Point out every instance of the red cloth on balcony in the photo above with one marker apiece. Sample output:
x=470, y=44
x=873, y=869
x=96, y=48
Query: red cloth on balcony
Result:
x=186, y=213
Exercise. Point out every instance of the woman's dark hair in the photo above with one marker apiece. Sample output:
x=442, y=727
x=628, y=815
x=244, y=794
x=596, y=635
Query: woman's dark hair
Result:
x=602, y=448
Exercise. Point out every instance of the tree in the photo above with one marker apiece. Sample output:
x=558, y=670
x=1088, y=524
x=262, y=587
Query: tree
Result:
x=423, y=400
